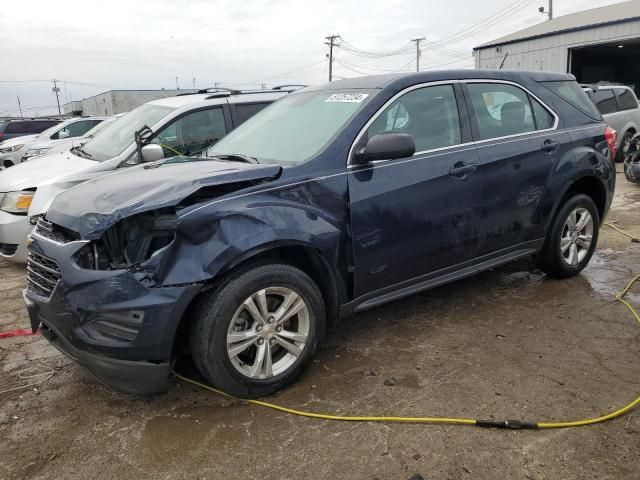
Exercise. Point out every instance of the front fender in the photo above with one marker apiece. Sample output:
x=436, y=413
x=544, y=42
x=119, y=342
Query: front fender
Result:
x=214, y=238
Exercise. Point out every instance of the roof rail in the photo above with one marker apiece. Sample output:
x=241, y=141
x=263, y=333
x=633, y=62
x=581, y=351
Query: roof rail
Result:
x=293, y=86
x=231, y=91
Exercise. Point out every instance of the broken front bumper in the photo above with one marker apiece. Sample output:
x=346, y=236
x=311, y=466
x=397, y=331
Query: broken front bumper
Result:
x=120, y=327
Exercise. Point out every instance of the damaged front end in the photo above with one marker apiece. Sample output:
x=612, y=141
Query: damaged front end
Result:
x=130, y=242
x=104, y=269
x=632, y=160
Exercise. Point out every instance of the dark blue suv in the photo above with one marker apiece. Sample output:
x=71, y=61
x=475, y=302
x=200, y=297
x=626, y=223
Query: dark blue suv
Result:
x=334, y=199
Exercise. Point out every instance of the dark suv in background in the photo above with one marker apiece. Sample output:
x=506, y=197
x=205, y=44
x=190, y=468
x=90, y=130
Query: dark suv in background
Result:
x=334, y=199
x=17, y=128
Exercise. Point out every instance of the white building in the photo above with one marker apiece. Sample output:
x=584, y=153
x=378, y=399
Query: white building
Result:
x=602, y=44
x=114, y=102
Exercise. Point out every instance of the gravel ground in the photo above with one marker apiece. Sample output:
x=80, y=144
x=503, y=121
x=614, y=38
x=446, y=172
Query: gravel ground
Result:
x=508, y=343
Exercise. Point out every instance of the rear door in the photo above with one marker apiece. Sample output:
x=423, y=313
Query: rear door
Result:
x=519, y=141
x=415, y=216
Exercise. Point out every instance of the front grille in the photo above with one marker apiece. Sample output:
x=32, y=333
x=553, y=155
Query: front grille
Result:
x=8, y=249
x=53, y=232
x=43, y=275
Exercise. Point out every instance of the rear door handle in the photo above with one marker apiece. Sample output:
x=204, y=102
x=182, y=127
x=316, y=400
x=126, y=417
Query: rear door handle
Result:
x=549, y=146
x=460, y=169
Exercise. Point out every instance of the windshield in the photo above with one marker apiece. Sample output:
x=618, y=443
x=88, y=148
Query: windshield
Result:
x=293, y=129
x=100, y=126
x=118, y=135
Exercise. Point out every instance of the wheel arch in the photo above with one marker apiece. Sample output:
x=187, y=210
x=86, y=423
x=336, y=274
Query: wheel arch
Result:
x=589, y=185
x=293, y=252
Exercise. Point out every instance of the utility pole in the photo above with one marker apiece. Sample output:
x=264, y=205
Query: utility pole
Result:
x=418, y=52
x=331, y=43
x=549, y=11
x=56, y=90
x=177, y=87
x=19, y=106
x=194, y=81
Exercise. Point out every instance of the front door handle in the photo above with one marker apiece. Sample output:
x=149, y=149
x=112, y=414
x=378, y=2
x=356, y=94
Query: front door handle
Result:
x=460, y=169
x=549, y=146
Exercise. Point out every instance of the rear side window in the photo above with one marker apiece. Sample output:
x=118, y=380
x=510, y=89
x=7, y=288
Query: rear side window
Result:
x=41, y=126
x=626, y=99
x=501, y=110
x=17, y=128
x=571, y=93
x=244, y=111
x=605, y=101
x=429, y=115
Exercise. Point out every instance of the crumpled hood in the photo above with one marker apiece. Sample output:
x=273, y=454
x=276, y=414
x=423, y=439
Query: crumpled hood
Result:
x=41, y=170
x=95, y=205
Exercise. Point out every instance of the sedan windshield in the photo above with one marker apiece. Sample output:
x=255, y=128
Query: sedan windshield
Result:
x=118, y=135
x=294, y=129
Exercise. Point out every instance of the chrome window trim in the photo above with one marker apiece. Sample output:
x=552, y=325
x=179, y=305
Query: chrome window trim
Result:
x=475, y=142
x=521, y=87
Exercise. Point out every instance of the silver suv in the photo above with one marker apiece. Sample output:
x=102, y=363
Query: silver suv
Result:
x=619, y=108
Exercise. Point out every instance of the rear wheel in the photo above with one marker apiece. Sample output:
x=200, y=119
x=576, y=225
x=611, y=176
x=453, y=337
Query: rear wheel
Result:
x=572, y=238
x=257, y=332
x=624, y=146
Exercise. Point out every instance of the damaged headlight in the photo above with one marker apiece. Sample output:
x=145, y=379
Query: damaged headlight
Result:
x=129, y=242
x=17, y=202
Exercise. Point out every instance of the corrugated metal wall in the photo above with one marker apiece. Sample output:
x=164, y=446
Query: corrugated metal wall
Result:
x=552, y=53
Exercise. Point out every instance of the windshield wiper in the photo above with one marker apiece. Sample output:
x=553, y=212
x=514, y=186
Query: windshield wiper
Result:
x=81, y=152
x=237, y=157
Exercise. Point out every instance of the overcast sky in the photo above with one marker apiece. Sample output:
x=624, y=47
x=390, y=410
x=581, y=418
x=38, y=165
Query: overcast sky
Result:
x=242, y=43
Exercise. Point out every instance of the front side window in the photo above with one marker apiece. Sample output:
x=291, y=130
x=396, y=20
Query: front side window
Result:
x=626, y=99
x=605, y=101
x=295, y=128
x=193, y=133
x=76, y=129
x=501, y=110
x=429, y=115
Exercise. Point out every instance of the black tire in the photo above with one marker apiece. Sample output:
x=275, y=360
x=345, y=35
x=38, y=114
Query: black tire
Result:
x=215, y=310
x=628, y=135
x=627, y=173
x=550, y=259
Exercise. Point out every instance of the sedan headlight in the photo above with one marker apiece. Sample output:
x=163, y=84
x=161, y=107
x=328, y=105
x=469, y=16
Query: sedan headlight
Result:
x=35, y=152
x=17, y=202
x=11, y=149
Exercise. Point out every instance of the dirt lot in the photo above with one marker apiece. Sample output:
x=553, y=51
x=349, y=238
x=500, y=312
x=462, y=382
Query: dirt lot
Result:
x=508, y=343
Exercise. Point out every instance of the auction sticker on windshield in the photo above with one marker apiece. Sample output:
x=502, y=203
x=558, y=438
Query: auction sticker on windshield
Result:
x=347, y=97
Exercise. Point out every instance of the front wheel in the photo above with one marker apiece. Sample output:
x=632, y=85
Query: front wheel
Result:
x=256, y=333
x=571, y=239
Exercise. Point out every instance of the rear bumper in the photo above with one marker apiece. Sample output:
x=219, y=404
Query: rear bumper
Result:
x=14, y=232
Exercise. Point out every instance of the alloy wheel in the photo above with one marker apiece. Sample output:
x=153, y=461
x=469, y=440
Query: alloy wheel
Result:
x=268, y=333
x=577, y=236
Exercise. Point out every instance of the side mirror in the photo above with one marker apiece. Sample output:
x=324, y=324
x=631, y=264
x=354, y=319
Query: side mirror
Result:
x=151, y=153
x=386, y=146
x=64, y=133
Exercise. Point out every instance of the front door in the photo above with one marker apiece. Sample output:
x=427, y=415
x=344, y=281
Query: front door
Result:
x=418, y=215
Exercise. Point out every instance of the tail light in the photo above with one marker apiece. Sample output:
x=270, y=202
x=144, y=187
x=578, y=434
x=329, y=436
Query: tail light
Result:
x=1, y=136
x=610, y=135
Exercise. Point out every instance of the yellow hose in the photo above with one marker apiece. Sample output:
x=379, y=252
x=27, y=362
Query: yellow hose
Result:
x=511, y=424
